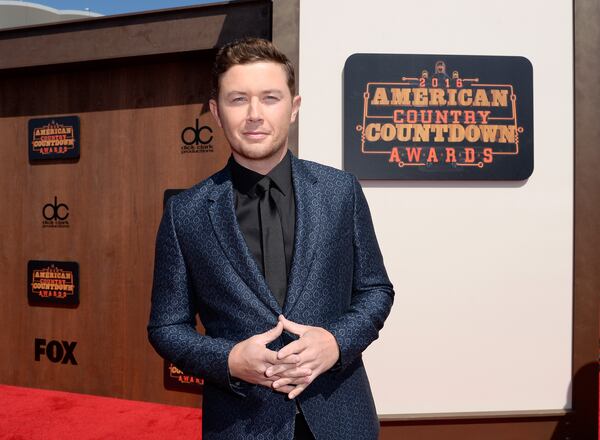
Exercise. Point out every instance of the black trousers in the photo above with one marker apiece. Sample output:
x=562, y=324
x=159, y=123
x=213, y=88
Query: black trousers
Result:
x=302, y=431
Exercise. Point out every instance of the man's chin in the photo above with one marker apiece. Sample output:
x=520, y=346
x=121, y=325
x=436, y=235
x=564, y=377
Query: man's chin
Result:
x=259, y=153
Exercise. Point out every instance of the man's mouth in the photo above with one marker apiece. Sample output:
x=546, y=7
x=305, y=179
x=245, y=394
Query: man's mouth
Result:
x=255, y=134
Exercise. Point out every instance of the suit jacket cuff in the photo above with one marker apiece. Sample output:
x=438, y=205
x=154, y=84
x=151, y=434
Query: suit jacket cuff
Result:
x=237, y=386
x=338, y=365
x=240, y=387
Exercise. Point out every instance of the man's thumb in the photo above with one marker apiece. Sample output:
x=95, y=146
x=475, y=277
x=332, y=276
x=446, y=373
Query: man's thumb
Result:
x=272, y=334
x=291, y=326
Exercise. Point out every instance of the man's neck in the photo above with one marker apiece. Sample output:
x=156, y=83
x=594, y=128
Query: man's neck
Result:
x=262, y=166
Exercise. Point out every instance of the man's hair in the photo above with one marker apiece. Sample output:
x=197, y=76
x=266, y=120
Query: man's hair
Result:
x=246, y=51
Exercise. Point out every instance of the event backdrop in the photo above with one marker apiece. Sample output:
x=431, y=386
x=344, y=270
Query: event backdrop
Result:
x=78, y=243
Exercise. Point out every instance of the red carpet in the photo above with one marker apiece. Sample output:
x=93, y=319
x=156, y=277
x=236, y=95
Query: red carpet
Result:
x=31, y=414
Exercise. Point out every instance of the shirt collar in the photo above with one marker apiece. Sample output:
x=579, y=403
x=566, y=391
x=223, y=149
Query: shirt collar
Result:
x=245, y=179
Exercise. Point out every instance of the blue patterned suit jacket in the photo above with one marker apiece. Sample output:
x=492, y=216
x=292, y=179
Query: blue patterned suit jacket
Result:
x=337, y=281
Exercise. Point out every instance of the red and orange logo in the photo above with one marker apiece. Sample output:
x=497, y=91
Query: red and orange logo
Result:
x=439, y=117
x=52, y=282
x=53, y=138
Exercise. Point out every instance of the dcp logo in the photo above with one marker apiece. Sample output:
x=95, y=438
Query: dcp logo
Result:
x=197, y=139
x=53, y=211
x=197, y=135
x=56, y=351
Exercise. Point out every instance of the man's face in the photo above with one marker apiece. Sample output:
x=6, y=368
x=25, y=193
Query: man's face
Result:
x=255, y=109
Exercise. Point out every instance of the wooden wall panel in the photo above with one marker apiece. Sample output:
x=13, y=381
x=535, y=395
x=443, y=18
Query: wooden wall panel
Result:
x=132, y=115
x=492, y=428
x=587, y=217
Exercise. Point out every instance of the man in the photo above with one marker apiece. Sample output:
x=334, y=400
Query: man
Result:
x=279, y=258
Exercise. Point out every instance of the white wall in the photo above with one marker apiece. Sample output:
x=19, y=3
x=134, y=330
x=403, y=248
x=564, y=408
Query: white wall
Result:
x=482, y=271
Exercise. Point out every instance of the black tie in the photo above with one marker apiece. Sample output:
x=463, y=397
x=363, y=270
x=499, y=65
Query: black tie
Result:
x=272, y=241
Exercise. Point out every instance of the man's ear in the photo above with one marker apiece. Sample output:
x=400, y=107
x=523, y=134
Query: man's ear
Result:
x=214, y=109
x=295, y=107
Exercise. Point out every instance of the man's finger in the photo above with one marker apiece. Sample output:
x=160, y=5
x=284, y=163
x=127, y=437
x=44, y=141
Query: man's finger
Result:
x=270, y=357
x=271, y=334
x=268, y=382
x=290, y=381
x=285, y=371
x=292, y=326
x=279, y=368
x=284, y=389
x=296, y=347
x=297, y=390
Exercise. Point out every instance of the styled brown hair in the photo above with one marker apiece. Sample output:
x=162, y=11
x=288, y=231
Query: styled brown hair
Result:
x=246, y=51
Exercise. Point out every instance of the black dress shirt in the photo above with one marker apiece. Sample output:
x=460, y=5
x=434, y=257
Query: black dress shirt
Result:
x=246, y=209
x=246, y=206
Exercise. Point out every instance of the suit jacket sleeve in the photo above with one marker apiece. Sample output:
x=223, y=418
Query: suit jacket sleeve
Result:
x=372, y=291
x=172, y=325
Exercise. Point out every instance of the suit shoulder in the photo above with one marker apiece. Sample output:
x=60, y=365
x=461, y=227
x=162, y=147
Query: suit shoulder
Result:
x=197, y=194
x=327, y=173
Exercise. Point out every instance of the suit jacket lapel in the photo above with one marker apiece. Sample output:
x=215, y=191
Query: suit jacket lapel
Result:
x=306, y=236
x=307, y=230
x=227, y=229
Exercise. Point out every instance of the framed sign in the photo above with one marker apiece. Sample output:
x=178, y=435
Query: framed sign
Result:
x=176, y=380
x=438, y=117
x=54, y=138
x=53, y=283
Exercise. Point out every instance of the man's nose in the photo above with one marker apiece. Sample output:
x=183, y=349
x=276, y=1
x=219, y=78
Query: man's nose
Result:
x=254, y=112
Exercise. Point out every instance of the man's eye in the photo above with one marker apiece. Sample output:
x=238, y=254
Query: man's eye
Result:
x=271, y=98
x=238, y=99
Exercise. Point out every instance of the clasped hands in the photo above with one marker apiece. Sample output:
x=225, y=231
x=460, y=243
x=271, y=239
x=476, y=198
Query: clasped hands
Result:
x=291, y=369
